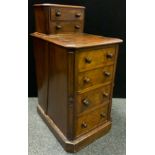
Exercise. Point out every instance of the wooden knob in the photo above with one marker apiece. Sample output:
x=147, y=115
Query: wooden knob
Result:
x=58, y=26
x=77, y=26
x=58, y=13
x=88, y=60
x=103, y=115
x=105, y=94
x=109, y=55
x=86, y=80
x=86, y=102
x=107, y=73
x=77, y=14
x=83, y=125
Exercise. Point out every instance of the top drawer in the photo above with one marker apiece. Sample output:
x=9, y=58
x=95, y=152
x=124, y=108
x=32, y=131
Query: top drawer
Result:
x=91, y=59
x=58, y=13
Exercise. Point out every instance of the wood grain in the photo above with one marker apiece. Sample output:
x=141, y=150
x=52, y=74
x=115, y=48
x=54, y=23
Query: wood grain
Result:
x=77, y=40
x=94, y=58
x=67, y=14
x=41, y=63
x=65, y=27
x=49, y=18
x=95, y=77
x=58, y=5
x=90, y=99
x=57, y=88
x=75, y=84
x=78, y=143
x=91, y=121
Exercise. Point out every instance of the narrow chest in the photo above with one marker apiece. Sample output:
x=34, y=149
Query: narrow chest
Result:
x=75, y=74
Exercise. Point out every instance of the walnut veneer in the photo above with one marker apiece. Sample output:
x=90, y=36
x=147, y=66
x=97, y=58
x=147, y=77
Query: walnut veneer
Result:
x=56, y=18
x=75, y=76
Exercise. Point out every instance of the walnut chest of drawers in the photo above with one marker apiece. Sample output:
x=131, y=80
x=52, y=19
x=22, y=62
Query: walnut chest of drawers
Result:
x=55, y=18
x=75, y=75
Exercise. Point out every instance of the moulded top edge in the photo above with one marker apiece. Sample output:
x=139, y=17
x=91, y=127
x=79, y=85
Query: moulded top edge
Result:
x=59, y=5
x=77, y=40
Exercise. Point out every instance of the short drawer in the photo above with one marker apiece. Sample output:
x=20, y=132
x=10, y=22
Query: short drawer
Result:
x=46, y=14
x=95, y=77
x=64, y=26
x=90, y=99
x=91, y=120
x=95, y=58
x=59, y=13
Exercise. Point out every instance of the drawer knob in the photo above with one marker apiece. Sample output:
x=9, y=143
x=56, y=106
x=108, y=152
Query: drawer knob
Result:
x=83, y=125
x=103, y=115
x=107, y=73
x=105, y=94
x=77, y=14
x=86, y=80
x=77, y=26
x=88, y=60
x=58, y=26
x=86, y=102
x=58, y=13
x=109, y=55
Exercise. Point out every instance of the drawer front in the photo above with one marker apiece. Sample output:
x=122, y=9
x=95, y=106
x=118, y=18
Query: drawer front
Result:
x=95, y=77
x=95, y=58
x=59, y=13
x=91, y=120
x=64, y=26
x=90, y=99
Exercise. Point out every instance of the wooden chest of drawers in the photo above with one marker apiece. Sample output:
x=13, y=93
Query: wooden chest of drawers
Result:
x=54, y=18
x=75, y=75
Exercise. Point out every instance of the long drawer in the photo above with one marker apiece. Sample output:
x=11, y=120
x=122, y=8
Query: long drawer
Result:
x=94, y=58
x=90, y=99
x=85, y=123
x=94, y=77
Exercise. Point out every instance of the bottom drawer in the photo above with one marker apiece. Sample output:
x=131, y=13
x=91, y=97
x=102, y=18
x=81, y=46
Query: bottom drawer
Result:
x=90, y=120
x=66, y=26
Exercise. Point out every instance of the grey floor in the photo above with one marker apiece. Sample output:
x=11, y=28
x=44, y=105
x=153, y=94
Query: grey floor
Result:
x=43, y=142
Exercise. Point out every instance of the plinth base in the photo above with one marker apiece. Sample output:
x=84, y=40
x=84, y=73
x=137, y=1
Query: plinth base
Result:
x=79, y=143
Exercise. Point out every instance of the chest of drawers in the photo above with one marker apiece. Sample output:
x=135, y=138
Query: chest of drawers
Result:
x=55, y=18
x=75, y=75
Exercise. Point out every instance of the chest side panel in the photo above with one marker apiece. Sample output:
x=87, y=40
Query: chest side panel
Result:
x=39, y=19
x=57, y=96
x=41, y=63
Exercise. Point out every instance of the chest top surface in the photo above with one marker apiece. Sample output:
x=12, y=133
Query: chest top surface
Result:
x=57, y=5
x=77, y=40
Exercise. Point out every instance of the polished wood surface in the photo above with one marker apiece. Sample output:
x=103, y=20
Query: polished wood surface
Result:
x=78, y=143
x=67, y=14
x=77, y=40
x=79, y=84
x=53, y=18
x=90, y=99
x=57, y=87
x=85, y=123
x=95, y=77
x=95, y=58
x=41, y=55
x=41, y=20
x=63, y=26
x=59, y=5
x=75, y=75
